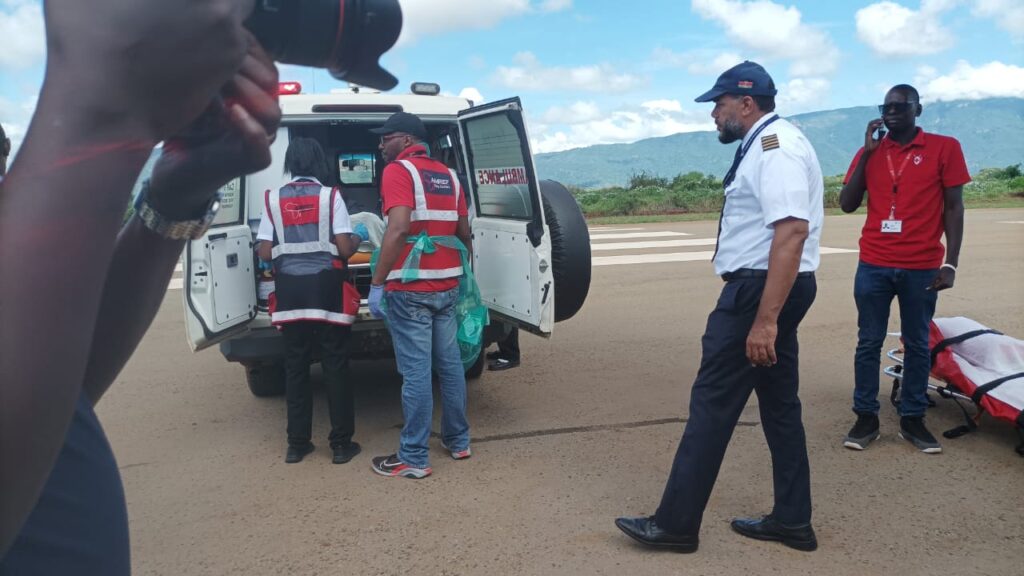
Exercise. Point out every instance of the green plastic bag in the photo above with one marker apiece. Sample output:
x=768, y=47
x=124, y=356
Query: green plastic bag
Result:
x=470, y=313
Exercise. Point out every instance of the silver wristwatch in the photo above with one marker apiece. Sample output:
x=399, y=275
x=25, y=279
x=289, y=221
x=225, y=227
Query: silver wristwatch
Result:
x=174, y=229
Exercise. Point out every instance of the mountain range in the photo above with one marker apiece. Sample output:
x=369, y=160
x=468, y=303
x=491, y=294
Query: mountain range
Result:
x=991, y=132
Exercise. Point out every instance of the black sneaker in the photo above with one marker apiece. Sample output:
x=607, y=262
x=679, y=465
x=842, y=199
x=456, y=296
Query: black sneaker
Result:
x=392, y=466
x=863, y=432
x=295, y=454
x=345, y=452
x=912, y=430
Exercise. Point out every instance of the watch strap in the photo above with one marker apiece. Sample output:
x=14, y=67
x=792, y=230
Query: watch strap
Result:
x=174, y=229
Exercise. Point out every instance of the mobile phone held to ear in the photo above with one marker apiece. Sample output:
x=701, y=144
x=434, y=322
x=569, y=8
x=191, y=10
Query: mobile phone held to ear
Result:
x=880, y=131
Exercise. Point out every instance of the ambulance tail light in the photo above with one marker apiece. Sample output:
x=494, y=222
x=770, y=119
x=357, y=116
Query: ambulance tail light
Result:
x=289, y=88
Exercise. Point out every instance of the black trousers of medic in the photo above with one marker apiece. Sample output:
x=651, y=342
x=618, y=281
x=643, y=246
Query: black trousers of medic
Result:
x=300, y=338
x=723, y=385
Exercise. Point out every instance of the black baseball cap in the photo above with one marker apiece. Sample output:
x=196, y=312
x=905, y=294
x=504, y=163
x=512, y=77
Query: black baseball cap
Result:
x=745, y=79
x=403, y=122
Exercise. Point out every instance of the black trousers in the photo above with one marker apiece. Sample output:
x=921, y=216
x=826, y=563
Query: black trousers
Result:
x=720, y=392
x=508, y=348
x=300, y=338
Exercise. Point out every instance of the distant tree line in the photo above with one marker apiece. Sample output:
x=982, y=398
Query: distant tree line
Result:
x=693, y=192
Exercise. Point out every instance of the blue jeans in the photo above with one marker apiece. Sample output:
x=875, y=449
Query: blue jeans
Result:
x=874, y=288
x=423, y=328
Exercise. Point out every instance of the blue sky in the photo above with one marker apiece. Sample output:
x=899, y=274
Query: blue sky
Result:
x=606, y=71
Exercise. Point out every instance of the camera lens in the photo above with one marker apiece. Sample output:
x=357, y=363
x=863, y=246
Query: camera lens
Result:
x=347, y=37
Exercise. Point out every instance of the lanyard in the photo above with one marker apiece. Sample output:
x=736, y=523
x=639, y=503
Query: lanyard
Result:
x=896, y=177
x=742, y=151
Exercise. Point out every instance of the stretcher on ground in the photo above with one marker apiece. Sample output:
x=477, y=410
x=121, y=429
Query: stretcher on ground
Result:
x=975, y=366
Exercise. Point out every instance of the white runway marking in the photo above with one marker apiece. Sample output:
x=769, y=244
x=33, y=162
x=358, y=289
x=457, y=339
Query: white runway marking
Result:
x=176, y=284
x=651, y=258
x=629, y=235
x=603, y=230
x=677, y=257
x=654, y=244
x=179, y=267
x=1011, y=222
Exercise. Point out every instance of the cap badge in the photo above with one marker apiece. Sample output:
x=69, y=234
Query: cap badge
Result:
x=745, y=84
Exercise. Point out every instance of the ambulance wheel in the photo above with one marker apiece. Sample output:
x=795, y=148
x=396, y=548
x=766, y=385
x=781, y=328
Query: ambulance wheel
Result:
x=477, y=368
x=265, y=380
x=570, y=248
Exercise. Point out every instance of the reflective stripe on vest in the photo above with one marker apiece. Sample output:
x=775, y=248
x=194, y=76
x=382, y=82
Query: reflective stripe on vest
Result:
x=423, y=244
x=421, y=212
x=323, y=242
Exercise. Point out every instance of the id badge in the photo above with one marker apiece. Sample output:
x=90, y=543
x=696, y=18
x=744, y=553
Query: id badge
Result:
x=892, y=226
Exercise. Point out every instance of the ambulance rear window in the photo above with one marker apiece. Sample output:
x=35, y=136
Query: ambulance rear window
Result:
x=358, y=169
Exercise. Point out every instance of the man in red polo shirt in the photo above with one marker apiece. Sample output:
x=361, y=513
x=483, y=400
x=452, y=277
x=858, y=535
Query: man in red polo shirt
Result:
x=914, y=182
x=415, y=287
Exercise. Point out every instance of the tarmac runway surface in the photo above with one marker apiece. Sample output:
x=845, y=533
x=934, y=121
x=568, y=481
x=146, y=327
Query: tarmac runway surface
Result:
x=583, y=431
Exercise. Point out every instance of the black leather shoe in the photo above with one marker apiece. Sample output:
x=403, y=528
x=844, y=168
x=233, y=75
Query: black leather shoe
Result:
x=297, y=453
x=345, y=452
x=502, y=364
x=767, y=528
x=645, y=531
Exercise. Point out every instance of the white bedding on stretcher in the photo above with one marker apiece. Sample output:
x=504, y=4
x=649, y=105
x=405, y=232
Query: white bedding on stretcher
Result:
x=988, y=357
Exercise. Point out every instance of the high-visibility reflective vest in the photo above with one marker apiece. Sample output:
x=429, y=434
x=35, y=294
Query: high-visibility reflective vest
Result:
x=436, y=194
x=309, y=278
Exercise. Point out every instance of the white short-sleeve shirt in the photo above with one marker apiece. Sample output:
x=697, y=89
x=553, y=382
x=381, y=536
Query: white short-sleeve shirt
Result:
x=341, y=224
x=778, y=178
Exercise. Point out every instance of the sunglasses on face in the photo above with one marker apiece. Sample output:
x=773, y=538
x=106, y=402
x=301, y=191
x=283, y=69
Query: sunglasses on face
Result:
x=897, y=107
x=385, y=139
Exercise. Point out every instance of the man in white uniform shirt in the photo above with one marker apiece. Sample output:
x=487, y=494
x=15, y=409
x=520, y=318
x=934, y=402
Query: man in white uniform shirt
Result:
x=767, y=253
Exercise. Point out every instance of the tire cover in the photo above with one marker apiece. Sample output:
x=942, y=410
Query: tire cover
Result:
x=570, y=248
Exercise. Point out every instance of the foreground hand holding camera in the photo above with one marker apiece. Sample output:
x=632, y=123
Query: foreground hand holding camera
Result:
x=61, y=206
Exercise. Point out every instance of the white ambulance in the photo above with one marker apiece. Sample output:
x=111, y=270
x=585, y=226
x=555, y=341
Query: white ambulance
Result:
x=531, y=248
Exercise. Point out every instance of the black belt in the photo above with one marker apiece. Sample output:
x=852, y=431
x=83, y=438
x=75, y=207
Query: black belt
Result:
x=744, y=273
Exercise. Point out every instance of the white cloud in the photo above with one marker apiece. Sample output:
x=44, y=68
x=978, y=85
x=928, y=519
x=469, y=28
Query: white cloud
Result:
x=802, y=95
x=1008, y=14
x=434, y=17
x=890, y=29
x=662, y=106
x=775, y=31
x=555, y=5
x=698, y=62
x=472, y=94
x=557, y=131
x=575, y=113
x=530, y=74
x=967, y=82
x=24, y=38
x=15, y=118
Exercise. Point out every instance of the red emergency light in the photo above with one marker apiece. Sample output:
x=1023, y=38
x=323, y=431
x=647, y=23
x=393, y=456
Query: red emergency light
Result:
x=289, y=88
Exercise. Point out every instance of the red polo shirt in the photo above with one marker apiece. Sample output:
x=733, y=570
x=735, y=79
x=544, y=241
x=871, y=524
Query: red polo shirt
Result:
x=930, y=163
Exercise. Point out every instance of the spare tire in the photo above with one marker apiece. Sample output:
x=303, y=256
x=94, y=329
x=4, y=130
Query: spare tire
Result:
x=570, y=248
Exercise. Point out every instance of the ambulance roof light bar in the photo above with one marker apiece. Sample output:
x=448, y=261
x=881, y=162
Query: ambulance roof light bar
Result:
x=289, y=88
x=425, y=88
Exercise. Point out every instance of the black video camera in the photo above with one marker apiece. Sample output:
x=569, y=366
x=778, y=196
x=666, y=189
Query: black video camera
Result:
x=347, y=37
